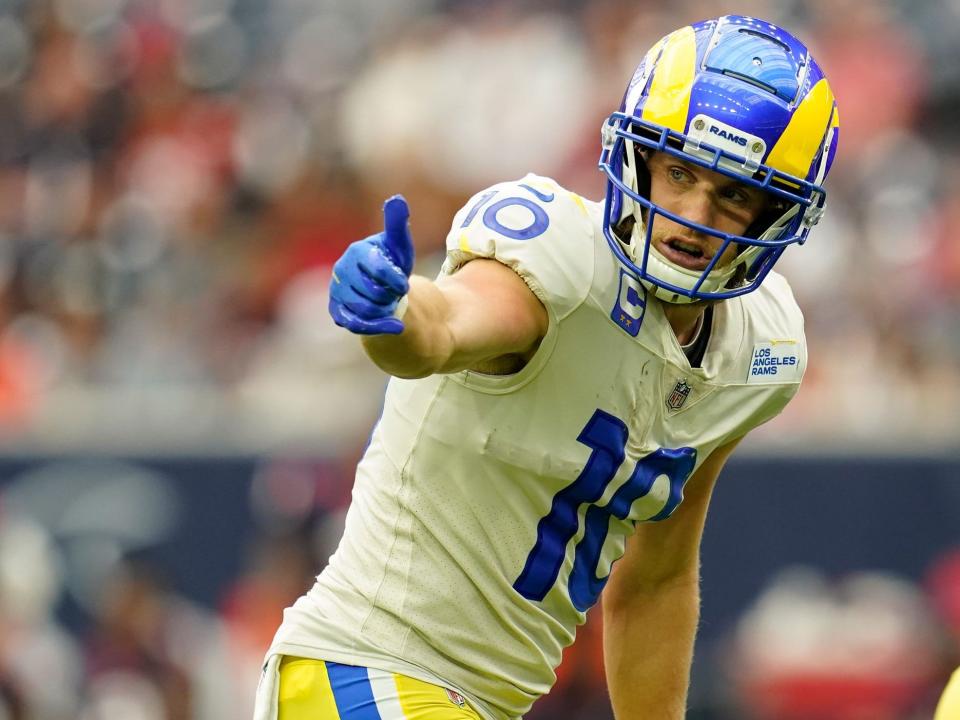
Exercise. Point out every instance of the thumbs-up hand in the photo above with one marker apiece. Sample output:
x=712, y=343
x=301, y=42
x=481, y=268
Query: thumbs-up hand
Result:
x=372, y=275
x=396, y=233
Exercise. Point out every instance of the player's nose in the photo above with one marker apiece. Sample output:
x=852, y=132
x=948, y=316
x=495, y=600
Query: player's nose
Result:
x=698, y=208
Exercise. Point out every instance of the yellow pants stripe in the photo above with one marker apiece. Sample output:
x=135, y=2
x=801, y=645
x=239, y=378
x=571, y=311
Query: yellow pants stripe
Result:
x=305, y=692
x=423, y=701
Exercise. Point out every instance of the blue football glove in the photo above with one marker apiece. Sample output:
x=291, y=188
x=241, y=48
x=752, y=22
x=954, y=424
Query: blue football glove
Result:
x=372, y=275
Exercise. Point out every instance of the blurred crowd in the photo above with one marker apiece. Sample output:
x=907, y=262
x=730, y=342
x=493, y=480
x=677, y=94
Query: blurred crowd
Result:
x=177, y=176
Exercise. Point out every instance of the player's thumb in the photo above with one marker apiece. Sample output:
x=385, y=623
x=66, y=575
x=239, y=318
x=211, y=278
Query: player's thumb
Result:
x=396, y=236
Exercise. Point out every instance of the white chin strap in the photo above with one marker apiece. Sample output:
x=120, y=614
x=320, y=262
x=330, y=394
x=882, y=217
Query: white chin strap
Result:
x=663, y=270
x=629, y=205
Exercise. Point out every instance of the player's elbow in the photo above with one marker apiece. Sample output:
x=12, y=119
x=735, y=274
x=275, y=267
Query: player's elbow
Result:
x=411, y=355
x=658, y=583
x=410, y=373
x=408, y=368
x=625, y=589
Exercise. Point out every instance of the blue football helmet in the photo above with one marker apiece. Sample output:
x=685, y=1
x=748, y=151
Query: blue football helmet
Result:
x=738, y=96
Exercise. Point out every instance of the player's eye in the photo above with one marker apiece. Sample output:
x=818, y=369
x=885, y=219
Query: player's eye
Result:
x=736, y=195
x=678, y=174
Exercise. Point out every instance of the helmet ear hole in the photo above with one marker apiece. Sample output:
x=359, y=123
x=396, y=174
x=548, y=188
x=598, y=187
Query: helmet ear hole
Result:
x=643, y=172
x=774, y=210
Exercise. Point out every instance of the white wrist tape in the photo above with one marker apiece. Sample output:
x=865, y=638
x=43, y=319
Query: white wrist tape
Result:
x=401, y=308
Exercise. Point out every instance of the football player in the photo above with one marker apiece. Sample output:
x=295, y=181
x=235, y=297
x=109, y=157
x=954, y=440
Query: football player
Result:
x=564, y=397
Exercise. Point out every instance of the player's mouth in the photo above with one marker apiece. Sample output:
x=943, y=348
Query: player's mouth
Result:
x=686, y=253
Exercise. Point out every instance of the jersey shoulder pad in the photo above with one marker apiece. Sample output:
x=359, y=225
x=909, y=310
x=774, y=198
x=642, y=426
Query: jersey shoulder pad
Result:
x=773, y=310
x=536, y=227
x=773, y=334
x=768, y=364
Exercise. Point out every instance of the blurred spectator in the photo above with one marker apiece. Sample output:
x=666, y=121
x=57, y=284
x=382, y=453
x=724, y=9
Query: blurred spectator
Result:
x=942, y=583
x=278, y=571
x=130, y=661
x=150, y=652
x=864, y=646
x=849, y=58
x=39, y=664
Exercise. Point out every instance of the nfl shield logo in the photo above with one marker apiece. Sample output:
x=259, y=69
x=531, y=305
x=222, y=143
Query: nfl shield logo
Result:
x=455, y=697
x=679, y=395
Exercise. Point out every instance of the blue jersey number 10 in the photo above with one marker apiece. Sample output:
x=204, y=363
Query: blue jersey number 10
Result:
x=539, y=222
x=606, y=436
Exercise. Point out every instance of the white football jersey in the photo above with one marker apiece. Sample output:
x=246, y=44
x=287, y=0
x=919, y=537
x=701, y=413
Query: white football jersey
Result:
x=488, y=510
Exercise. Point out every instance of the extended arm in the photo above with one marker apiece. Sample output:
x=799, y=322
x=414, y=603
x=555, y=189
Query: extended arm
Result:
x=651, y=606
x=481, y=313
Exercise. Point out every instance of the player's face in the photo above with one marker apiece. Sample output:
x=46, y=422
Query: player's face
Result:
x=702, y=196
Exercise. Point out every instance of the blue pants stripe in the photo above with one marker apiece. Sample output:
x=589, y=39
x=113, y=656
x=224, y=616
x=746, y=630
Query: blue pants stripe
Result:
x=352, y=692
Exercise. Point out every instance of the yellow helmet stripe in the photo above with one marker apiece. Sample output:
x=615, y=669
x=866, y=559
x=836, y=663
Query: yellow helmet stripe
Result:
x=801, y=140
x=639, y=80
x=653, y=53
x=669, y=100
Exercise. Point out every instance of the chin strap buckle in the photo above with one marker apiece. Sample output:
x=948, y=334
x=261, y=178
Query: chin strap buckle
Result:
x=814, y=212
x=608, y=135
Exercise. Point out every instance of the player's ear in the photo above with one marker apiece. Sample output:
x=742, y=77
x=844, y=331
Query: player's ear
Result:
x=643, y=156
x=773, y=210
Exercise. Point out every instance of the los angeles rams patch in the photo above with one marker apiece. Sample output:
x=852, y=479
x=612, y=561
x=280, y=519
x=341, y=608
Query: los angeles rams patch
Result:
x=776, y=361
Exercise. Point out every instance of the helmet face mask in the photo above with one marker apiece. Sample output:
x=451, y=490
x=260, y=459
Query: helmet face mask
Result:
x=738, y=97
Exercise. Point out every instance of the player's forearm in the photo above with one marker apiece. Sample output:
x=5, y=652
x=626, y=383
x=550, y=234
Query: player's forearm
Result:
x=426, y=344
x=648, y=650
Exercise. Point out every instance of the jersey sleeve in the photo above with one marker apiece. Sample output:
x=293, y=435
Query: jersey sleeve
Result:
x=537, y=228
x=776, y=357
